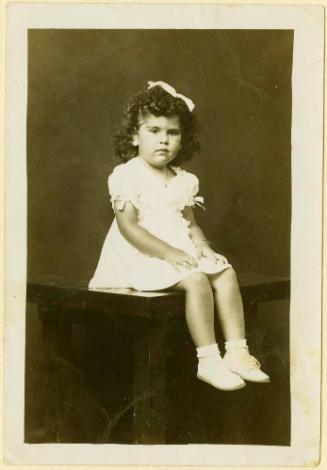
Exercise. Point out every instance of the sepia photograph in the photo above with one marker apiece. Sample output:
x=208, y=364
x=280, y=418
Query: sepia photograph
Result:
x=160, y=179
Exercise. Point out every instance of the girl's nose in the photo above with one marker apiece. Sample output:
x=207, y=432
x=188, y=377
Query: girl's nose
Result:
x=163, y=137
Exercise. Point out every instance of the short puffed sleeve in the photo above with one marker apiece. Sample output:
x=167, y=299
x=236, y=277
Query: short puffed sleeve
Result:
x=121, y=184
x=192, y=183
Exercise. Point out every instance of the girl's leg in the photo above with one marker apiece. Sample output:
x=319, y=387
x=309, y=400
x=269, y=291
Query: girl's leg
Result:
x=199, y=308
x=229, y=304
x=231, y=314
x=200, y=321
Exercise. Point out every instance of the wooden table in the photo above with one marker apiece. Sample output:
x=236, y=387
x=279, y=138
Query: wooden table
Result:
x=147, y=315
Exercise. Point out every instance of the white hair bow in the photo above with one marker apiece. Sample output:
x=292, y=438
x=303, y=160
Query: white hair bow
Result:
x=169, y=89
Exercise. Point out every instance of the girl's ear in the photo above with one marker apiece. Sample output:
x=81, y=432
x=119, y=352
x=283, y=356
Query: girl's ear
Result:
x=135, y=139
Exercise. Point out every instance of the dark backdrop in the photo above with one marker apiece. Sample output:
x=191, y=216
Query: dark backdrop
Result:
x=78, y=84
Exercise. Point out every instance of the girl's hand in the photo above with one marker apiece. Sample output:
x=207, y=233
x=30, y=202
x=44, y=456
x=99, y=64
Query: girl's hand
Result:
x=179, y=259
x=204, y=250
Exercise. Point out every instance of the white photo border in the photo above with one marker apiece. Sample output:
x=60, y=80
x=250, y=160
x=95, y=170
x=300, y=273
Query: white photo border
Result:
x=306, y=231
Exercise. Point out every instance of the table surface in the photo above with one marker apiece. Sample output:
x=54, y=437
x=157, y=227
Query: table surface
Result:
x=246, y=280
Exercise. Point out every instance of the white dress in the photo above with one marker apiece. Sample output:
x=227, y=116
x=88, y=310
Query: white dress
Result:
x=159, y=207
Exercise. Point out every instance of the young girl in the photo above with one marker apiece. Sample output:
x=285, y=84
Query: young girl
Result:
x=155, y=243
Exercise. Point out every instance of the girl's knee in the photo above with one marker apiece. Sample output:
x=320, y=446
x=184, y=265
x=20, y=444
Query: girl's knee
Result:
x=230, y=273
x=228, y=276
x=197, y=281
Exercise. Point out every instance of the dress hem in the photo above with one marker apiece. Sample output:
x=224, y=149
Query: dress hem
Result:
x=157, y=288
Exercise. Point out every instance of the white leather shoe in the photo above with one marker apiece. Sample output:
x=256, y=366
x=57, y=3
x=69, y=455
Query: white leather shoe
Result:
x=246, y=366
x=220, y=377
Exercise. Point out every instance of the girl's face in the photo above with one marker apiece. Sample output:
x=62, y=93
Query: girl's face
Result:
x=158, y=139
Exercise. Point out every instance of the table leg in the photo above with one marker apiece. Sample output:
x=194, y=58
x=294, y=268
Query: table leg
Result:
x=150, y=401
x=57, y=344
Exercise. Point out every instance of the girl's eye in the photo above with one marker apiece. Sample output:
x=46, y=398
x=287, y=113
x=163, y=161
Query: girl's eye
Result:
x=156, y=130
x=174, y=132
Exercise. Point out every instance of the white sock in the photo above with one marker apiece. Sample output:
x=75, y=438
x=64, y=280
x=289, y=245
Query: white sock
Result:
x=208, y=355
x=208, y=350
x=233, y=344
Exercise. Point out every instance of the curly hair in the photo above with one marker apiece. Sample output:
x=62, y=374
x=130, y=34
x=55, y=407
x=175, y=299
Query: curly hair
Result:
x=158, y=102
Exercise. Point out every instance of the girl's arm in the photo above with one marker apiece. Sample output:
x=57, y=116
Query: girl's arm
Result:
x=199, y=240
x=127, y=220
x=196, y=234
